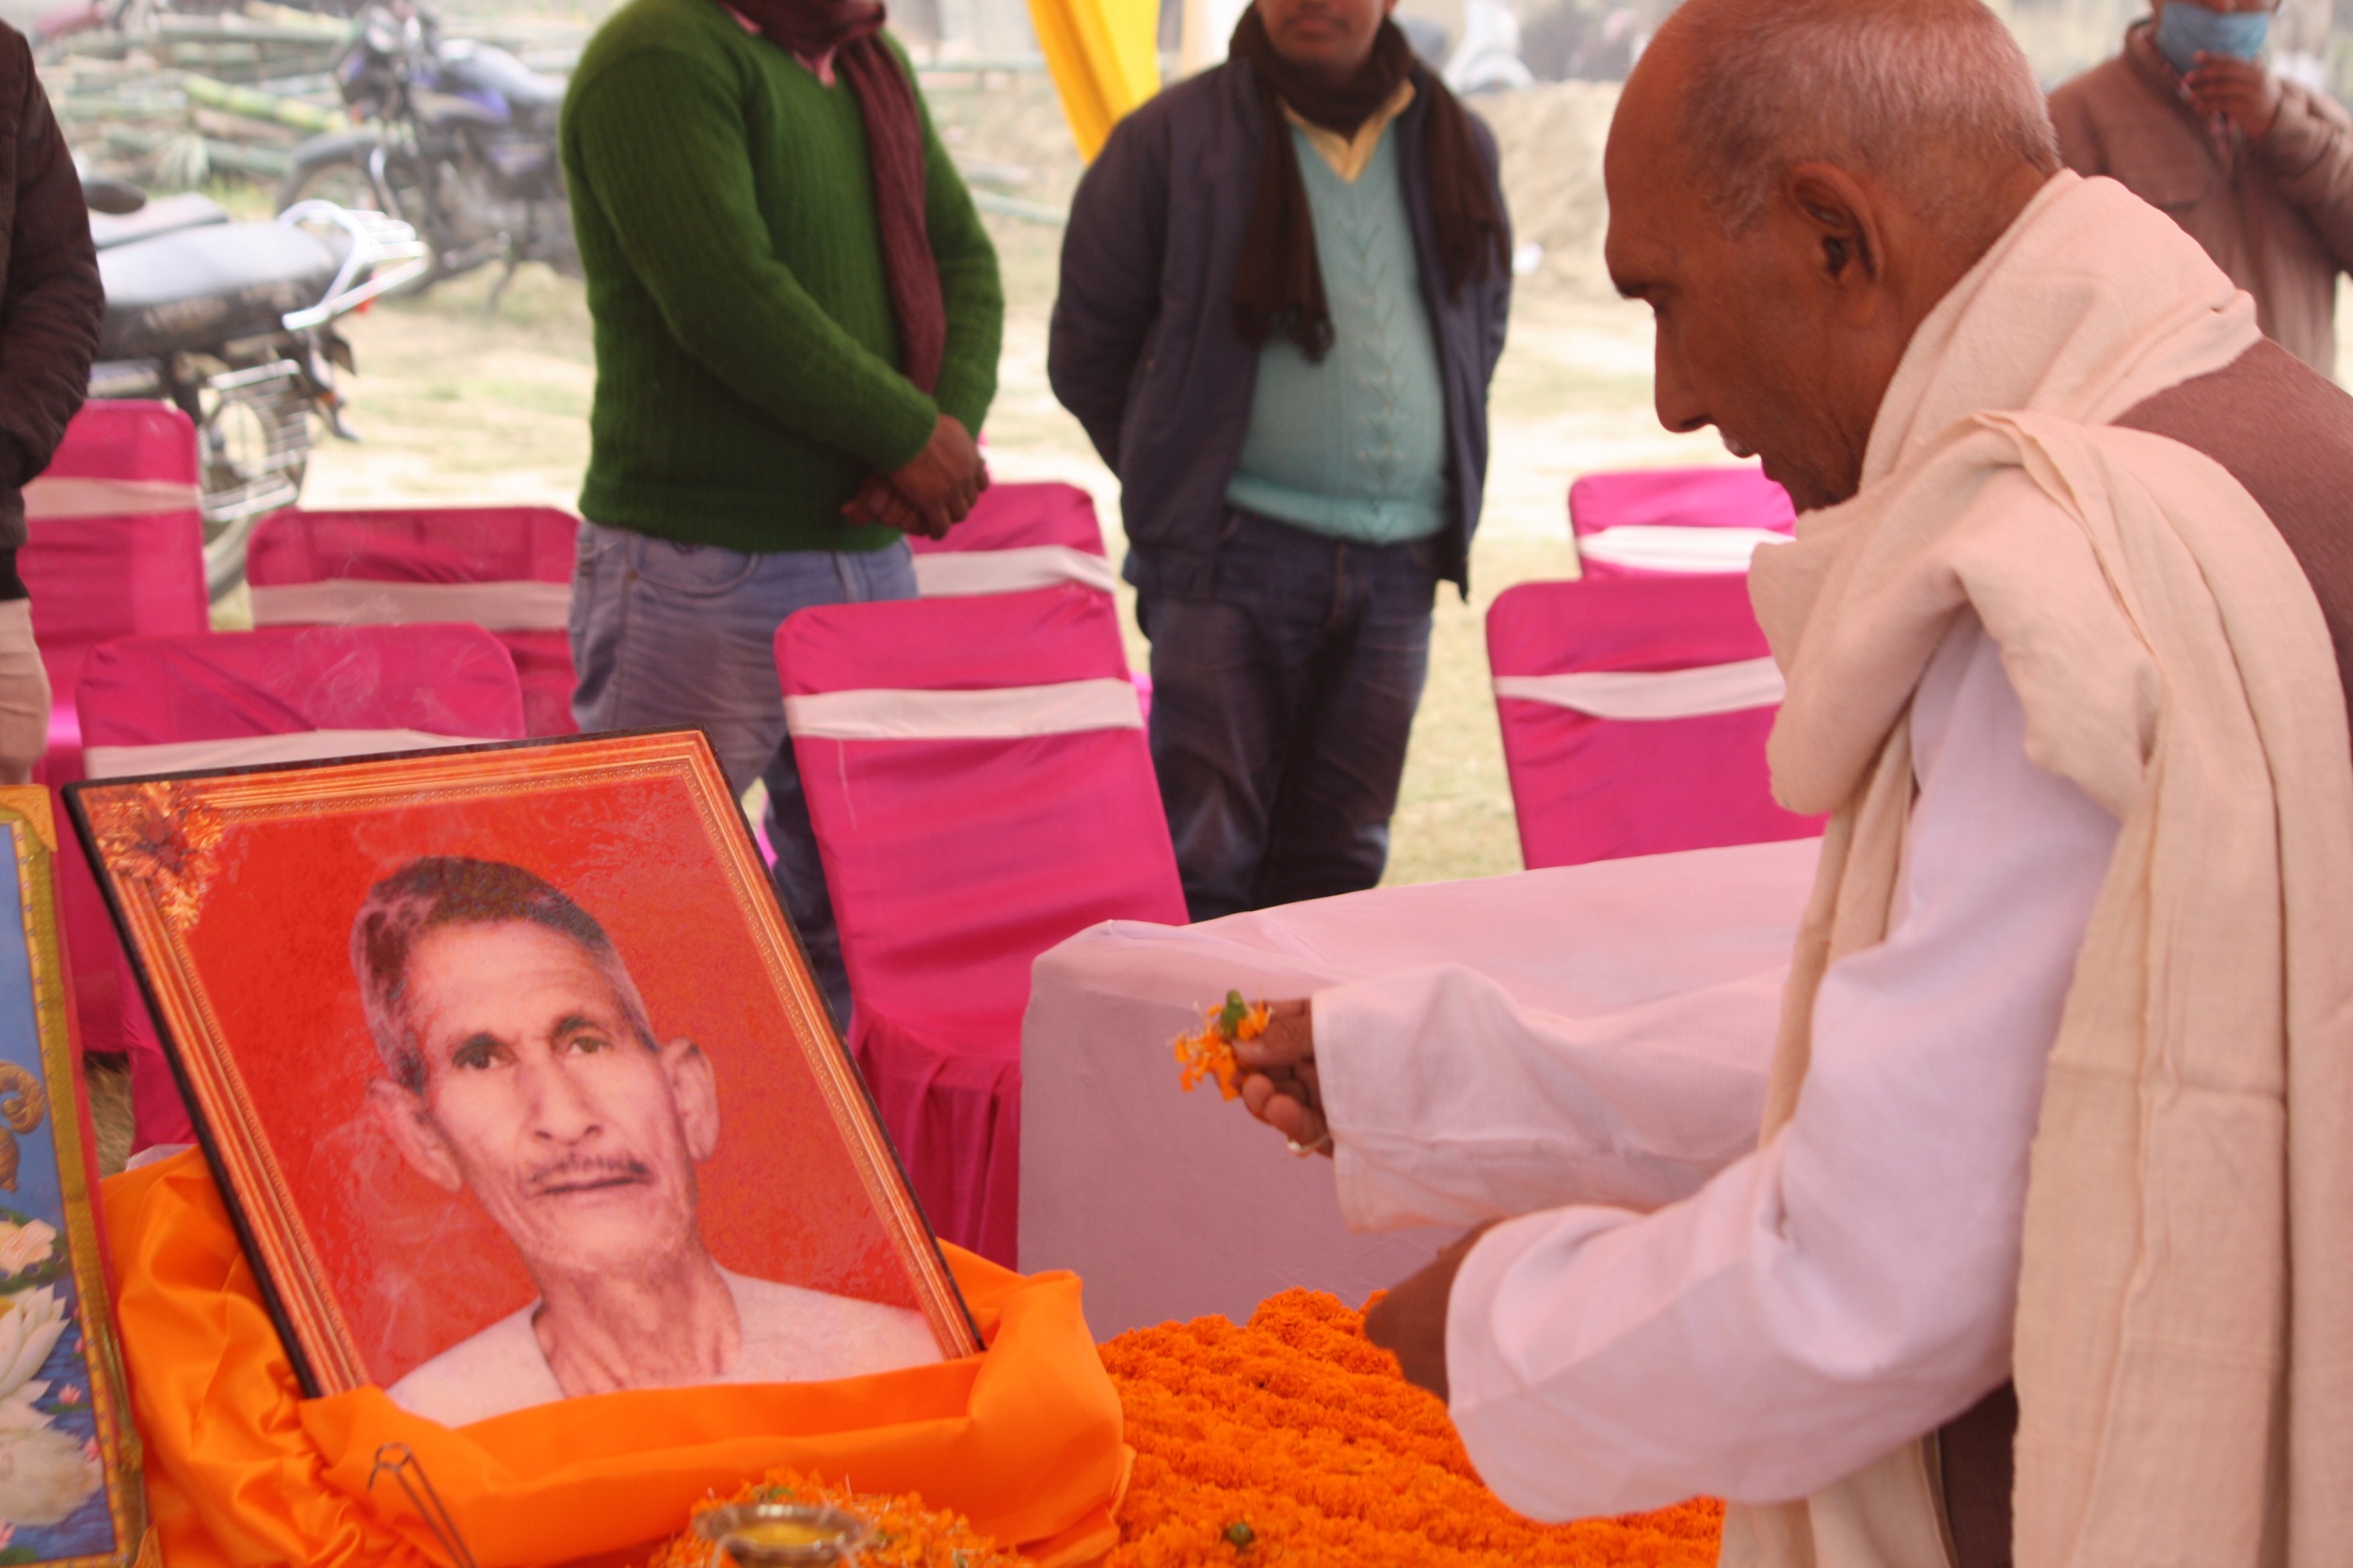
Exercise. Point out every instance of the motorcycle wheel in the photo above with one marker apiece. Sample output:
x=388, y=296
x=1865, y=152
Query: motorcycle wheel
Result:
x=254, y=448
x=343, y=179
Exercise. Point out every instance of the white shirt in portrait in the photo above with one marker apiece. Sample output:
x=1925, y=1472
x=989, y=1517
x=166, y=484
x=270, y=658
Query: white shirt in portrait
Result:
x=791, y=1334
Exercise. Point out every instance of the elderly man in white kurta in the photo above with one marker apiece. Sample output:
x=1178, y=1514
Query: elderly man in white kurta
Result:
x=2062, y=1094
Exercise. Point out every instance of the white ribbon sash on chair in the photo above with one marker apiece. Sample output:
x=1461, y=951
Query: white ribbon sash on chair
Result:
x=1645, y=547
x=1653, y=694
x=51, y=498
x=957, y=573
x=1005, y=712
x=359, y=601
x=252, y=751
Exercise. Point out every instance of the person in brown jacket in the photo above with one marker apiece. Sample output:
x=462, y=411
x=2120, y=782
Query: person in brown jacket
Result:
x=2259, y=170
x=51, y=304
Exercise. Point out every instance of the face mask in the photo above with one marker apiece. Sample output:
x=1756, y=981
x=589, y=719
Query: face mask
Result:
x=2185, y=31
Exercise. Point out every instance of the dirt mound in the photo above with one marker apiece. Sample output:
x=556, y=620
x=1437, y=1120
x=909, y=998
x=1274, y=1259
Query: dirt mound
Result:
x=1551, y=138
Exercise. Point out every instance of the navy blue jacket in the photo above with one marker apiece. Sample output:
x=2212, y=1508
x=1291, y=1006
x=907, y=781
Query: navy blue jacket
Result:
x=1143, y=349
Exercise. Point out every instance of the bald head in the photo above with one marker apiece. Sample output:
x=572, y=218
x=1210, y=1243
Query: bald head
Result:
x=1932, y=96
x=1793, y=186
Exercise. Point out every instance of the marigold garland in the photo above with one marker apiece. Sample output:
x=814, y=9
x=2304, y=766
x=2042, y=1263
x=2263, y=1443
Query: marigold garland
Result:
x=1209, y=1053
x=1296, y=1440
x=906, y=1534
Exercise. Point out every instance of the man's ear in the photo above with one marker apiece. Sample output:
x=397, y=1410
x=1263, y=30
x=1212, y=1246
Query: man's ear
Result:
x=401, y=1112
x=1848, y=240
x=694, y=1089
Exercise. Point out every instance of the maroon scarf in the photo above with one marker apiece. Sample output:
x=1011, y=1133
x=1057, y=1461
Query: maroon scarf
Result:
x=1279, y=289
x=894, y=157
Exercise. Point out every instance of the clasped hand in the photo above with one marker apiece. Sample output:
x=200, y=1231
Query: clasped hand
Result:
x=933, y=492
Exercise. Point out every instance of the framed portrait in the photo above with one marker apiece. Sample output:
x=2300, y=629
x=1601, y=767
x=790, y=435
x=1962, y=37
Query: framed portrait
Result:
x=514, y=1078
x=70, y=1487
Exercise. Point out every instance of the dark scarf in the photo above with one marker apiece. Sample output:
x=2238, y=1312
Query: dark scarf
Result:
x=1280, y=286
x=894, y=157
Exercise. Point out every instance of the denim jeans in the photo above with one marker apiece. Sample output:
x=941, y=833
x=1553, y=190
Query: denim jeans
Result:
x=668, y=636
x=1281, y=705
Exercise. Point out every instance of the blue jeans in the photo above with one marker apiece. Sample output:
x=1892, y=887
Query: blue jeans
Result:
x=1281, y=705
x=668, y=636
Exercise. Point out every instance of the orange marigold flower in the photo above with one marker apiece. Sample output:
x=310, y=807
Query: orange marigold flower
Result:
x=1294, y=1439
x=1209, y=1052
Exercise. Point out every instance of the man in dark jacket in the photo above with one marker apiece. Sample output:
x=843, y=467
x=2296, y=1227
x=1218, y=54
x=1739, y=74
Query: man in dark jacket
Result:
x=51, y=303
x=1284, y=290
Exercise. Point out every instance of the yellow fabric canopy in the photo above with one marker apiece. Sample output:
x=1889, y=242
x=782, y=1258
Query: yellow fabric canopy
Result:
x=1105, y=57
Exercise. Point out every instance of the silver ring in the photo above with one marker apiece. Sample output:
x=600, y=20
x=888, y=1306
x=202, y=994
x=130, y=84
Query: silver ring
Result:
x=1322, y=1146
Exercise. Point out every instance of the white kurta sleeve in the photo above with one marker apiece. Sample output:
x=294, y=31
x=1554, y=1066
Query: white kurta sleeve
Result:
x=1449, y=1103
x=1851, y=1284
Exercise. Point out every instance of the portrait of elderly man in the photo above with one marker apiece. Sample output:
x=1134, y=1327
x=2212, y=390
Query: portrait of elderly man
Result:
x=520, y=1066
x=2035, y=1245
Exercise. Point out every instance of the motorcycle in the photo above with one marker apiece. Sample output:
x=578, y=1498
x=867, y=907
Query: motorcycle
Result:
x=455, y=137
x=235, y=323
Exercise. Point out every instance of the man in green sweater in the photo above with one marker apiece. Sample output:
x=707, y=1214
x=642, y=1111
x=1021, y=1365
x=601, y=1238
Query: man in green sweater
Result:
x=797, y=320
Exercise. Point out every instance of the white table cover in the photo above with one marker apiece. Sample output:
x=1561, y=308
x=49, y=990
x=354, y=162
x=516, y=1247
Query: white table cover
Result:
x=1171, y=1205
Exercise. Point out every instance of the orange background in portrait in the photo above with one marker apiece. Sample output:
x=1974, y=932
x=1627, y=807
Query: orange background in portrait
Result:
x=413, y=1269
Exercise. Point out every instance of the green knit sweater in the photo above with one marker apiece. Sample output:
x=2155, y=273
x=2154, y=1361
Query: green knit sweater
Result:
x=747, y=356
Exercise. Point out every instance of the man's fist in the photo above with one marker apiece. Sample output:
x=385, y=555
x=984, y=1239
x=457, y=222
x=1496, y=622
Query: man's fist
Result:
x=2241, y=91
x=1279, y=1084
x=1410, y=1322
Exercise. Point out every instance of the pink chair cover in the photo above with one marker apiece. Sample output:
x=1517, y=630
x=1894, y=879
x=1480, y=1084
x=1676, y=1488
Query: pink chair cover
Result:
x=439, y=545
x=954, y=862
x=1593, y=789
x=1017, y=516
x=133, y=566
x=1719, y=497
x=115, y=547
x=126, y=439
x=455, y=680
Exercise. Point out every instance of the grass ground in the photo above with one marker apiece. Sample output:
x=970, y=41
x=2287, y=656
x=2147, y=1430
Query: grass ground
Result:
x=458, y=406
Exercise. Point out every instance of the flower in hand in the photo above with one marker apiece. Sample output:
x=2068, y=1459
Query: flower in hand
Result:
x=1209, y=1052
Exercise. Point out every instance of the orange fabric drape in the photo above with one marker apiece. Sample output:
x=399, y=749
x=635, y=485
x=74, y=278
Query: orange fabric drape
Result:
x=241, y=1470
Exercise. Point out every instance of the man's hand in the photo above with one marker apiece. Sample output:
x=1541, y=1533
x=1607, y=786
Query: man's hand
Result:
x=1410, y=1322
x=1279, y=1084
x=879, y=505
x=943, y=482
x=2241, y=91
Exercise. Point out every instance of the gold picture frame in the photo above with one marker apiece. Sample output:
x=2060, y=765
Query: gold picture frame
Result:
x=234, y=891
x=72, y=1493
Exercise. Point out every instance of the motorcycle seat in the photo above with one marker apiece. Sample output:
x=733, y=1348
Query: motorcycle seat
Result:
x=164, y=214
x=199, y=288
x=473, y=67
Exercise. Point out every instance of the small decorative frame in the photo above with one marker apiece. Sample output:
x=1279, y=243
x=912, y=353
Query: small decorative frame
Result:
x=70, y=1488
x=236, y=894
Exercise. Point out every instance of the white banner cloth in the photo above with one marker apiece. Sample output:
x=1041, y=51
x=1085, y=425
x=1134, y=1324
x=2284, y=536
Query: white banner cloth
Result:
x=356, y=601
x=958, y=572
x=1172, y=1204
x=254, y=751
x=51, y=497
x=998, y=713
x=1648, y=546
x=1654, y=693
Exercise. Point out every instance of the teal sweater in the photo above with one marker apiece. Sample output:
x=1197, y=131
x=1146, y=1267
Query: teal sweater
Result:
x=747, y=356
x=1355, y=446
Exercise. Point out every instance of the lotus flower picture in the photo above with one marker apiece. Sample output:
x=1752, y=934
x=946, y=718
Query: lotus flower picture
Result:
x=45, y=1474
